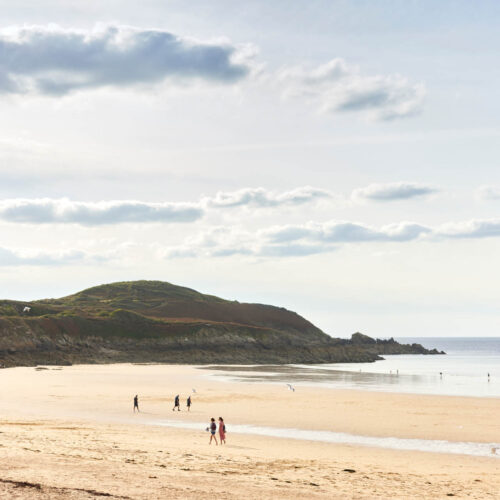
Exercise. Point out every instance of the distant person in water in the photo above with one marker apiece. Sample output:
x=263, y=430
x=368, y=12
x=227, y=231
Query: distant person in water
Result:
x=222, y=431
x=176, y=404
x=188, y=403
x=212, y=428
x=136, y=403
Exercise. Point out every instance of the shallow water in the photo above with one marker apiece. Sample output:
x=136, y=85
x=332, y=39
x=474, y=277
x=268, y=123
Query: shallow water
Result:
x=463, y=371
x=427, y=445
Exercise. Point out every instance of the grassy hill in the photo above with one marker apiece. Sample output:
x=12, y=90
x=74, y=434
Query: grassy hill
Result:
x=154, y=321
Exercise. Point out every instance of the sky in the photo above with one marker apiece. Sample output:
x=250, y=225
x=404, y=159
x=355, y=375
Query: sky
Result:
x=337, y=158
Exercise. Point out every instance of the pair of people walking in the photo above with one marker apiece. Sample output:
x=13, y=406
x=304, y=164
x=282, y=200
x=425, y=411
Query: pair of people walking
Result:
x=177, y=403
x=213, y=430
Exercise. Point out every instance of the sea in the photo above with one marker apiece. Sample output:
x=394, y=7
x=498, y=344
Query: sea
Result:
x=470, y=367
x=462, y=371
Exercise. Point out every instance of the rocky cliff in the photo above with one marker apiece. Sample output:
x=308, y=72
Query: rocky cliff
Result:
x=152, y=321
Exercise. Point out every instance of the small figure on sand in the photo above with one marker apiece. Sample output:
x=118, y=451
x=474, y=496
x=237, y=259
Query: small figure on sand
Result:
x=222, y=431
x=188, y=403
x=212, y=428
x=176, y=404
x=136, y=403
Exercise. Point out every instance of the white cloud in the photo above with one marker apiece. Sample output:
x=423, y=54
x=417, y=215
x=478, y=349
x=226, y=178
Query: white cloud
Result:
x=233, y=241
x=392, y=191
x=488, y=193
x=262, y=198
x=291, y=240
x=51, y=60
x=299, y=240
x=321, y=237
x=13, y=257
x=474, y=228
x=339, y=87
x=293, y=250
x=344, y=232
x=302, y=77
x=65, y=211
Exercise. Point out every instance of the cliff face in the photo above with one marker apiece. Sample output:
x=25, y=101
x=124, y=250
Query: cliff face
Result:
x=159, y=322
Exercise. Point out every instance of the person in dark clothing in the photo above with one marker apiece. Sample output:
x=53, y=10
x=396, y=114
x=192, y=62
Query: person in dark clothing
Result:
x=212, y=428
x=189, y=403
x=176, y=404
x=136, y=403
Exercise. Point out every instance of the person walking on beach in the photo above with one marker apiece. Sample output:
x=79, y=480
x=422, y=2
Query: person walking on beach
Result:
x=222, y=431
x=176, y=404
x=213, y=429
x=136, y=403
x=188, y=403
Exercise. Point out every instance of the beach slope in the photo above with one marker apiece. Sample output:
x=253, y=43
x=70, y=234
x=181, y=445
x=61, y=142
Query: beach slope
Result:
x=72, y=433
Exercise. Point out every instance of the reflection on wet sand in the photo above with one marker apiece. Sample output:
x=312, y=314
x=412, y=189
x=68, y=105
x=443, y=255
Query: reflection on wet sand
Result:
x=453, y=375
x=301, y=374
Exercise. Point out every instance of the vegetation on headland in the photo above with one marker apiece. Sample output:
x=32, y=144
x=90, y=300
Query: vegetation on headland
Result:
x=154, y=321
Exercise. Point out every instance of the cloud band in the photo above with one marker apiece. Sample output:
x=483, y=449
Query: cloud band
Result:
x=65, y=211
x=51, y=60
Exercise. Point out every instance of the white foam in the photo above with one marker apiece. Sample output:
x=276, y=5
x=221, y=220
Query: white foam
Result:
x=427, y=445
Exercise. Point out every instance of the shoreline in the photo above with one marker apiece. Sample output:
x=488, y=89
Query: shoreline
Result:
x=228, y=378
x=70, y=459
x=353, y=411
x=487, y=450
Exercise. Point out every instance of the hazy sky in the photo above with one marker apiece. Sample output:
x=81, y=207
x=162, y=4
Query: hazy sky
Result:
x=338, y=158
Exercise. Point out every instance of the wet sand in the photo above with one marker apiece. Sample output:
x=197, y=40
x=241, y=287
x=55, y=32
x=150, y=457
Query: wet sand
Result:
x=71, y=433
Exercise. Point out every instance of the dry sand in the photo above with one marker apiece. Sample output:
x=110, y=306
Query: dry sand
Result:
x=71, y=433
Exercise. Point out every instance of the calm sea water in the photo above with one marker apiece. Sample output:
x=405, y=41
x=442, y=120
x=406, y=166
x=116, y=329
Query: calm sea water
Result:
x=464, y=370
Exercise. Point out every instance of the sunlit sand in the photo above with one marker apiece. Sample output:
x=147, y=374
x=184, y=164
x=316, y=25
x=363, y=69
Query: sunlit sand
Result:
x=72, y=433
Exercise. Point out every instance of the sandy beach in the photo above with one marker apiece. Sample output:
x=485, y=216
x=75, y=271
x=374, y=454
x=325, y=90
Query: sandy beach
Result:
x=70, y=432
